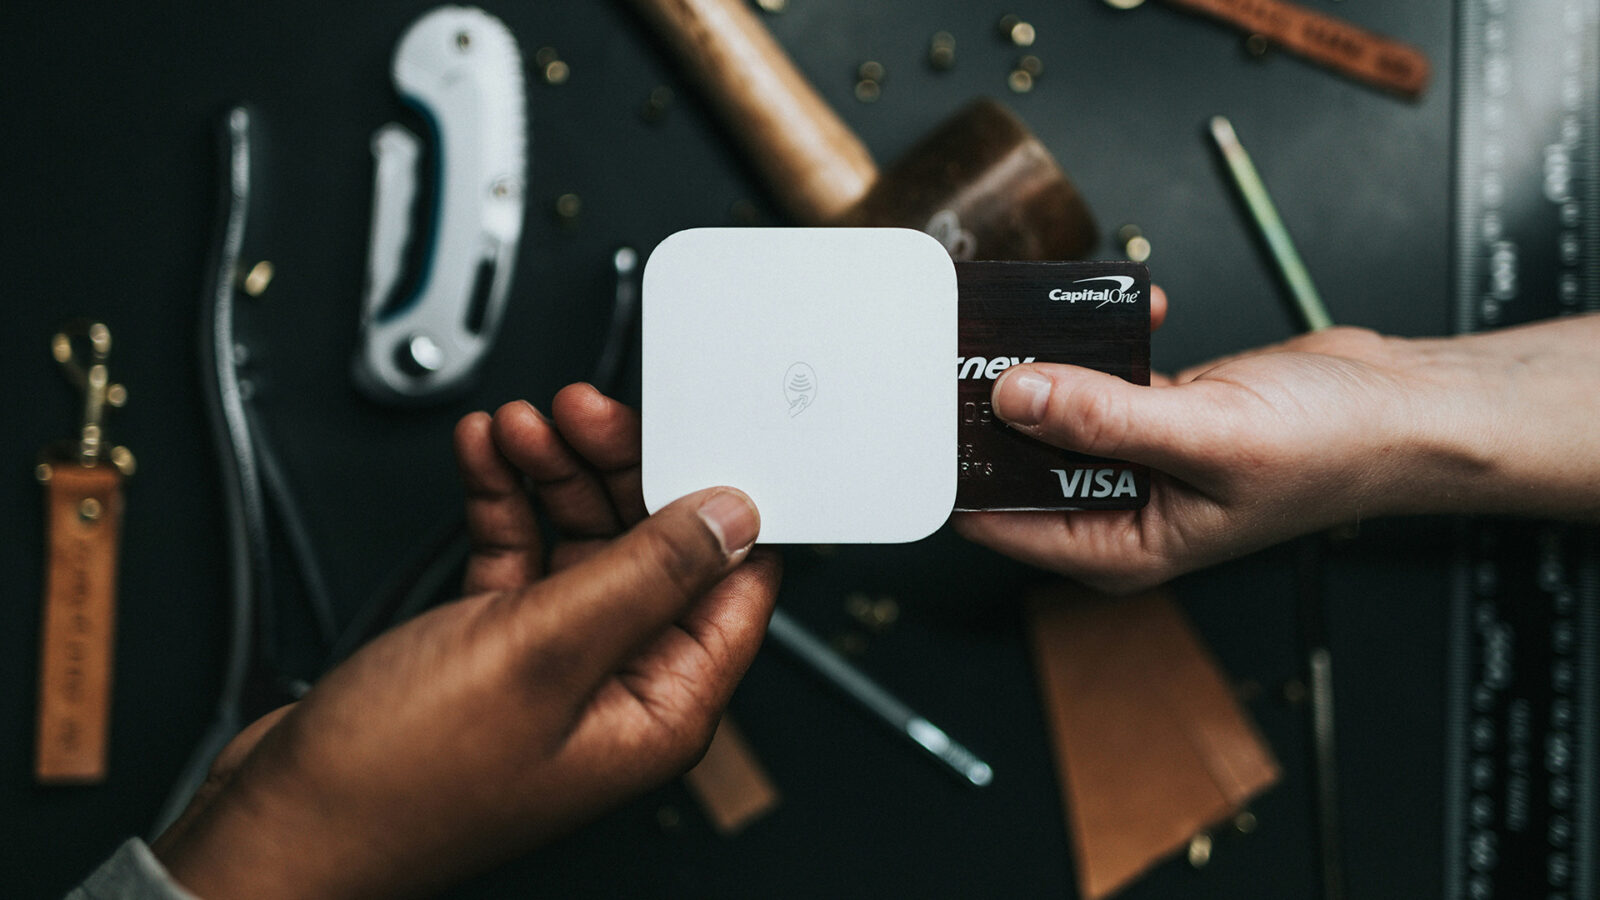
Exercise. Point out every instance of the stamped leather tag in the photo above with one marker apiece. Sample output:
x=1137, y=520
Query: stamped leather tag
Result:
x=83, y=511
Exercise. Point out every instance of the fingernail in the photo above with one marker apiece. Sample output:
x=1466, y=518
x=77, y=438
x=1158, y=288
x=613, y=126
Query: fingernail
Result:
x=535, y=410
x=1020, y=397
x=732, y=519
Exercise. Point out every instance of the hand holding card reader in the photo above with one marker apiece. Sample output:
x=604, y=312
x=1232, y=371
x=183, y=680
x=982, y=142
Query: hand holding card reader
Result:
x=841, y=377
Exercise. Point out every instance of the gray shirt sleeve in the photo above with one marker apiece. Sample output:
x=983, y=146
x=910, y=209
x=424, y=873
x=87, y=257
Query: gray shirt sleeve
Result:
x=132, y=873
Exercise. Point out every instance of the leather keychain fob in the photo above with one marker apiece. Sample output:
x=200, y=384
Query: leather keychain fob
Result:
x=83, y=511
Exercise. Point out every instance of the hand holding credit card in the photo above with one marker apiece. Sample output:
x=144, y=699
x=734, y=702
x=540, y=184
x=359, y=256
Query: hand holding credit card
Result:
x=1324, y=429
x=1091, y=314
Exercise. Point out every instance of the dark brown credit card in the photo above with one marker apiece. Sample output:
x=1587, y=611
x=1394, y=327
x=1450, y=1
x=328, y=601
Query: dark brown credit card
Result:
x=1091, y=314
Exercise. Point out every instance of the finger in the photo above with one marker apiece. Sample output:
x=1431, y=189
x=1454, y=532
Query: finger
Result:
x=728, y=627
x=1118, y=551
x=1158, y=306
x=580, y=625
x=672, y=694
x=567, y=488
x=1092, y=412
x=500, y=524
x=567, y=554
x=1097, y=549
x=606, y=434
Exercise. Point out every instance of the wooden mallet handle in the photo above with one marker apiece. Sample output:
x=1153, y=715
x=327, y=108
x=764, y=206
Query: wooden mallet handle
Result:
x=811, y=160
x=1361, y=54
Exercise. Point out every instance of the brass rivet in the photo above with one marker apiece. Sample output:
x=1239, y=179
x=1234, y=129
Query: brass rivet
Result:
x=100, y=338
x=1137, y=249
x=122, y=458
x=61, y=348
x=257, y=279
x=870, y=71
x=1135, y=246
x=657, y=104
x=89, y=510
x=874, y=615
x=1245, y=822
x=942, y=50
x=544, y=56
x=1257, y=45
x=773, y=6
x=1124, y=4
x=1200, y=850
x=557, y=72
x=868, y=91
x=885, y=612
x=116, y=395
x=43, y=473
x=568, y=206
x=1022, y=34
x=1032, y=65
x=1019, y=81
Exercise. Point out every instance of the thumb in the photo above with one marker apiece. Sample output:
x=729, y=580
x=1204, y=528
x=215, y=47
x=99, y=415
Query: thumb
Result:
x=1102, y=415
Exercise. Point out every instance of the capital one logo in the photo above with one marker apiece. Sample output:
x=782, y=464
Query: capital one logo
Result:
x=1099, y=296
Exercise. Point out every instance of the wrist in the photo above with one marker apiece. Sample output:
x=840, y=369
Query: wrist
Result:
x=1503, y=423
x=247, y=844
x=1436, y=458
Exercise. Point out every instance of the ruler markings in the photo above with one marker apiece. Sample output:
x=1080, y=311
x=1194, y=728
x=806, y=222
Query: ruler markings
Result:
x=1523, y=719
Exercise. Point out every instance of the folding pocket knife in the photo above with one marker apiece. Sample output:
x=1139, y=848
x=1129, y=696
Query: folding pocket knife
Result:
x=423, y=338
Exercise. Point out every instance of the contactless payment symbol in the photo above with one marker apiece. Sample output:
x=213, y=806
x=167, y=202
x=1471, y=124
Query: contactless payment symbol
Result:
x=799, y=387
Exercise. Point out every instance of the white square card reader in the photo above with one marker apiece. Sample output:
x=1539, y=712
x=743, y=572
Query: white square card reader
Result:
x=809, y=367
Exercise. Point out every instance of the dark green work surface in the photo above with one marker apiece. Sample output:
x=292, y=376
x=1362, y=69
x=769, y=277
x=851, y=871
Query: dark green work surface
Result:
x=107, y=181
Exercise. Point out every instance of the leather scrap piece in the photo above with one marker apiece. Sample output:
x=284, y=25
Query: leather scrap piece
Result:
x=730, y=783
x=1150, y=744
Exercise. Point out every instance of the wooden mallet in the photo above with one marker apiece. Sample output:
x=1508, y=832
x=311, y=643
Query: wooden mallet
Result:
x=981, y=182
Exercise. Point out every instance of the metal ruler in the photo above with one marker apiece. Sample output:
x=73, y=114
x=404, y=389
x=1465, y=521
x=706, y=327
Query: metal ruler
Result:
x=1522, y=751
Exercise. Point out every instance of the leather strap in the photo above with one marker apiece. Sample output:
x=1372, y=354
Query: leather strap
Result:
x=83, y=512
x=1150, y=745
x=1361, y=54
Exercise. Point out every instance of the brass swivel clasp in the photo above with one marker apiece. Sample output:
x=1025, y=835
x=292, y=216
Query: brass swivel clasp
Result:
x=82, y=347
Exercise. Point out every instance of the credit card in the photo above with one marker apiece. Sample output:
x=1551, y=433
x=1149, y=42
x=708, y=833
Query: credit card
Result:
x=1090, y=314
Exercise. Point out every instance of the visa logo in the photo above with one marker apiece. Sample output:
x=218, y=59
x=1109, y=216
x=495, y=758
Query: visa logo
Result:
x=977, y=367
x=1096, y=484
